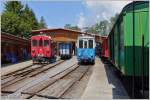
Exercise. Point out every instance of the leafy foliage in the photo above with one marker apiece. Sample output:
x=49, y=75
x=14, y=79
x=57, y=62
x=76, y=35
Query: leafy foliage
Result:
x=18, y=19
x=69, y=26
x=42, y=23
x=10, y=23
x=113, y=19
x=15, y=7
x=103, y=27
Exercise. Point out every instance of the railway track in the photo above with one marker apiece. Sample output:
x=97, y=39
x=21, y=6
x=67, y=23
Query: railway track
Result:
x=26, y=72
x=26, y=69
x=51, y=83
x=29, y=67
x=59, y=86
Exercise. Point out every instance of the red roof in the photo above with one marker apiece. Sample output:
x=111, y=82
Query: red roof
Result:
x=76, y=31
x=46, y=30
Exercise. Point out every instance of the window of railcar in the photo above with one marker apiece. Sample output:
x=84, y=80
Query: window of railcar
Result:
x=46, y=43
x=90, y=43
x=85, y=44
x=40, y=42
x=34, y=43
x=122, y=42
x=80, y=43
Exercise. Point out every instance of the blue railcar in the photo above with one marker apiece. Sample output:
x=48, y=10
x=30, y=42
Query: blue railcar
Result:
x=65, y=50
x=86, y=49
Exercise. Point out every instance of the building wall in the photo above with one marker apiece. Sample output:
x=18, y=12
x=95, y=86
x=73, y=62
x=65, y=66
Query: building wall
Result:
x=13, y=46
x=63, y=36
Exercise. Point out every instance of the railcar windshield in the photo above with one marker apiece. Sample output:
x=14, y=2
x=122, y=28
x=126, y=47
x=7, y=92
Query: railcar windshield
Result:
x=85, y=44
x=40, y=42
x=34, y=43
x=80, y=43
x=90, y=43
x=46, y=43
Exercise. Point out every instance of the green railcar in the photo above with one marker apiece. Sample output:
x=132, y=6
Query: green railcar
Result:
x=129, y=40
x=129, y=45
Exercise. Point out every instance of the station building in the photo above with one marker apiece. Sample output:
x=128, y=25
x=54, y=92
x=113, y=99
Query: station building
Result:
x=14, y=48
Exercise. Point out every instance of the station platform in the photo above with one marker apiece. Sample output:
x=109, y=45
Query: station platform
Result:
x=104, y=84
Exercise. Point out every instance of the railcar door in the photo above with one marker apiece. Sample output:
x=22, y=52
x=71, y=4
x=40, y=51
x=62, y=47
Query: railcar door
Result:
x=34, y=44
x=46, y=47
x=85, y=43
x=40, y=47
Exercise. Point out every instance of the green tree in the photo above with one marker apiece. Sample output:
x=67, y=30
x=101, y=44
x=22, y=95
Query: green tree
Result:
x=113, y=19
x=42, y=23
x=91, y=30
x=26, y=22
x=17, y=19
x=103, y=27
x=14, y=6
x=35, y=24
x=69, y=26
x=10, y=23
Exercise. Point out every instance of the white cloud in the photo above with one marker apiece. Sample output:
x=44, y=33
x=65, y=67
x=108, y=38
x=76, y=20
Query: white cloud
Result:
x=110, y=6
x=105, y=15
x=81, y=21
x=99, y=10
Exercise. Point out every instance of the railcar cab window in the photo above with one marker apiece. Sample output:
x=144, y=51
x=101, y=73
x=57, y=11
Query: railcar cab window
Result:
x=90, y=43
x=85, y=44
x=46, y=43
x=40, y=42
x=34, y=43
x=80, y=43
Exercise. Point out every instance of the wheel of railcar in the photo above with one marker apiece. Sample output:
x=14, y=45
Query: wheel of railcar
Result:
x=33, y=61
x=93, y=62
x=79, y=63
x=47, y=61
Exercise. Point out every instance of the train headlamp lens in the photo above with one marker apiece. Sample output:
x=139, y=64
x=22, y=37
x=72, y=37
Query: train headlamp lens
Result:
x=79, y=54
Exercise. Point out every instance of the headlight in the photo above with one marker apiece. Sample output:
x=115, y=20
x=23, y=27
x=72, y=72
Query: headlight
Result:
x=79, y=54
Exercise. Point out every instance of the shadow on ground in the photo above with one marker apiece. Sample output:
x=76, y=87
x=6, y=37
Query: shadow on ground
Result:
x=118, y=90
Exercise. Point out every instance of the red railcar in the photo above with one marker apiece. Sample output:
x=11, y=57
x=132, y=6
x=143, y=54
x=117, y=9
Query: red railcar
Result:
x=104, y=47
x=42, y=48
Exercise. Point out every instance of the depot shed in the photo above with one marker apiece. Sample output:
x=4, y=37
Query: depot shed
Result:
x=14, y=48
x=63, y=35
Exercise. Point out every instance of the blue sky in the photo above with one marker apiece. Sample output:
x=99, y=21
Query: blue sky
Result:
x=81, y=13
